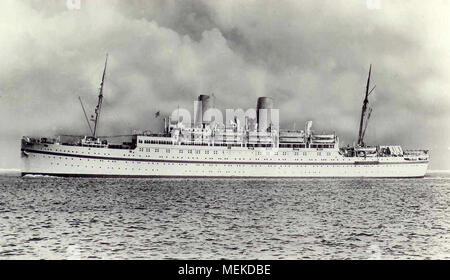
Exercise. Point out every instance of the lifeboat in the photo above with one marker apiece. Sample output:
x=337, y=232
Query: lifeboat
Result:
x=323, y=138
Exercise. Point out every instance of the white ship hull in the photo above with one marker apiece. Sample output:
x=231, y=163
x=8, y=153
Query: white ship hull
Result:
x=208, y=161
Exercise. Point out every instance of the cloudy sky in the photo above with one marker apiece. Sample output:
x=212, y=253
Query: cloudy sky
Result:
x=312, y=57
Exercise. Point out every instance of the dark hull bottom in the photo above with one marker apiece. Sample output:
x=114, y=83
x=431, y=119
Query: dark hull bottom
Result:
x=222, y=177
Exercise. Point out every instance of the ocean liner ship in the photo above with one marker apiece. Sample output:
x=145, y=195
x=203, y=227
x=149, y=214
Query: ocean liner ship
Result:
x=244, y=147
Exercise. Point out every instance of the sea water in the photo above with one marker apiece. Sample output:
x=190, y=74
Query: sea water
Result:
x=85, y=218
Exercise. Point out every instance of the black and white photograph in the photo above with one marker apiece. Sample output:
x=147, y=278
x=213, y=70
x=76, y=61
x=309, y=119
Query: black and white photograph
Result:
x=265, y=130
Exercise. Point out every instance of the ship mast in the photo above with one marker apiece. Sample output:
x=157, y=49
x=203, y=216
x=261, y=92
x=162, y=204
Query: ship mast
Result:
x=100, y=100
x=363, y=111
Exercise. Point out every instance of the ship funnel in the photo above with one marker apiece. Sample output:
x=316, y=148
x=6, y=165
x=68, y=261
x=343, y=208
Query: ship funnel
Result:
x=264, y=108
x=308, y=126
x=205, y=102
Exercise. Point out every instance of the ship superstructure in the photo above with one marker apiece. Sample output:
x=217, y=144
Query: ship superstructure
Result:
x=243, y=147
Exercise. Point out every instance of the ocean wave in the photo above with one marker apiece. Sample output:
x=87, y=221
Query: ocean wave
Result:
x=38, y=176
x=10, y=172
x=436, y=178
x=437, y=171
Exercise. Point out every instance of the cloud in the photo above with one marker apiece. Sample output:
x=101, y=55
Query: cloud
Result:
x=312, y=57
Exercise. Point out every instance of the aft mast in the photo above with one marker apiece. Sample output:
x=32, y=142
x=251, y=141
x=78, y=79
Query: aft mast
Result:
x=100, y=100
x=363, y=111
